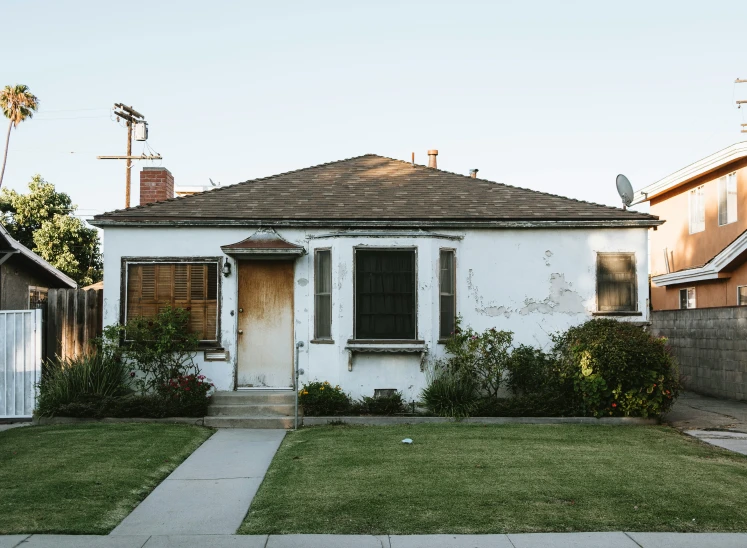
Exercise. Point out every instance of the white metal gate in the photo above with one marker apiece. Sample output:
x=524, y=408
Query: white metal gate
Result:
x=20, y=361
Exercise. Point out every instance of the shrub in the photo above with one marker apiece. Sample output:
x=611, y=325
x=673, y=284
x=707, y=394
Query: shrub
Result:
x=131, y=406
x=616, y=368
x=381, y=405
x=481, y=356
x=188, y=393
x=92, y=375
x=529, y=370
x=450, y=393
x=161, y=347
x=322, y=399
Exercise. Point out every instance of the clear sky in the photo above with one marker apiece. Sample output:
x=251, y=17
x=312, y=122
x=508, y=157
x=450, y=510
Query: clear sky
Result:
x=553, y=96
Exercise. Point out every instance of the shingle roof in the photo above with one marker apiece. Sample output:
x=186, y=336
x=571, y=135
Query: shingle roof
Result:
x=366, y=189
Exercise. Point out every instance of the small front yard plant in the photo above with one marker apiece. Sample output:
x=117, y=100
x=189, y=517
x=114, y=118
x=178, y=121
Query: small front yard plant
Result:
x=321, y=399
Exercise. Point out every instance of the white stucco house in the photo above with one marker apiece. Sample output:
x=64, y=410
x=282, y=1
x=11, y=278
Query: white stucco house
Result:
x=367, y=262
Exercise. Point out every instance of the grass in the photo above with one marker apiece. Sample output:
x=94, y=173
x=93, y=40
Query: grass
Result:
x=459, y=478
x=84, y=479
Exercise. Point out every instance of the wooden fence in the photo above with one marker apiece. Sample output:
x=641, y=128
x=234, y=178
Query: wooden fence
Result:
x=74, y=317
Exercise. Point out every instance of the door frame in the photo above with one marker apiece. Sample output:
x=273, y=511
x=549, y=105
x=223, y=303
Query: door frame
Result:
x=254, y=258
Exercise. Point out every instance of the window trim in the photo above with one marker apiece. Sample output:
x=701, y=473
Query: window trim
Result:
x=690, y=194
x=725, y=179
x=695, y=298
x=126, y=261
x=414, y=249
x=738, y=288
x=441, y=339
x=317, y=339
x=40, y=289
x=634, y=311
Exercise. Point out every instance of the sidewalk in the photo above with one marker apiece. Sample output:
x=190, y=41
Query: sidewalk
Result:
x=208, y=494
x=531, y=540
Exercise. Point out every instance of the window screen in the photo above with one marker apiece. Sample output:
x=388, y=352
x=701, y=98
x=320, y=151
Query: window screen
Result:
x=385, y=294
x=447, y=294
x=322, y=294
x=727, y=199
x=191, y=286
x=616, y=283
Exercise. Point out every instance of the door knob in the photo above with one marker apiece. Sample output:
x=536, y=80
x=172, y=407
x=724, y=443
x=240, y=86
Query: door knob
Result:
x=241, y=309
x=241, y=331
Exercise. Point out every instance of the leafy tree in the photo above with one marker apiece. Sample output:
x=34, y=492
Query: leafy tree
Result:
x=18, y=104
x=43, y=221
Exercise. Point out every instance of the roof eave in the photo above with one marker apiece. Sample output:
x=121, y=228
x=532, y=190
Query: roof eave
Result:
x=383, y=223
x=702, y=167
x=33, y=257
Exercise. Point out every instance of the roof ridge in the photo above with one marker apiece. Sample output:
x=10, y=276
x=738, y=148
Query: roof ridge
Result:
x=145, y=206
x=505, y=184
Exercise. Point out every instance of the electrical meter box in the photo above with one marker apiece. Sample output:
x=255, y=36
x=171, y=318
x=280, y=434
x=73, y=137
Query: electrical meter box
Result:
x=141, y=131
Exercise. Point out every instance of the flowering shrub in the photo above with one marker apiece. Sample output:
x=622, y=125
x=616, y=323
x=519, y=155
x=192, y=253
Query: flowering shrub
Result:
x=188, y=393
x=616, y=369
x=323, y=399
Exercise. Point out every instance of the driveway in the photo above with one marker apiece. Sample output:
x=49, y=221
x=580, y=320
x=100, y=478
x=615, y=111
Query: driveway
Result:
x=694, y=412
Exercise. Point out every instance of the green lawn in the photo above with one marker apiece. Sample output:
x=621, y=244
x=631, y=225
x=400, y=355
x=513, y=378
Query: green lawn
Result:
x=85, y=478
x=459, y=478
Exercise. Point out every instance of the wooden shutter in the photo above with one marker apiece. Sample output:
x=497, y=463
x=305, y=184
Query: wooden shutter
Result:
x=616, y=282
x=190, y=286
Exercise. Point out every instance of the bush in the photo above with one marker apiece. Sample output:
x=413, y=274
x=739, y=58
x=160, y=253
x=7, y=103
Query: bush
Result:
x=132, y=406
x=529, y=370
x=161, y=348
x=188, y=393
x=381, y=405
x=480, y=356
x=320, y=399
x=93, y=375
x=616, y=368
x=450, y=393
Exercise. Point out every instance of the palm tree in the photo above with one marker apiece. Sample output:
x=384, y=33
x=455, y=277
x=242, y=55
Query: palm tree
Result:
x=18, y=103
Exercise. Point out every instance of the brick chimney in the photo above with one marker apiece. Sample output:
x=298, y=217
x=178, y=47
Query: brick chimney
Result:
x=156, y=185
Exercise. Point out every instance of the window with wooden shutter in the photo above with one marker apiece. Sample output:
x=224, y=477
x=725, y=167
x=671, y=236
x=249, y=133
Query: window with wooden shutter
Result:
x=152, y=287
x=616, y=282
x=447, y=294
x=385, y=294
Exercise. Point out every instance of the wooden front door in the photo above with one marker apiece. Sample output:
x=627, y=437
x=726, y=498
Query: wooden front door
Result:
x=265, y=324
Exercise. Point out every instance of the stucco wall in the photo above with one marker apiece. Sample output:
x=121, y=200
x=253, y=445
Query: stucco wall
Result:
x=532, y=282
x=16, y=275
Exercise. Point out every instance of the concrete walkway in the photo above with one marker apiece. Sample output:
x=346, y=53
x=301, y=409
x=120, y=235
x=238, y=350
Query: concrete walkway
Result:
x=694, y=412
x=531, y=540
x=210, y=493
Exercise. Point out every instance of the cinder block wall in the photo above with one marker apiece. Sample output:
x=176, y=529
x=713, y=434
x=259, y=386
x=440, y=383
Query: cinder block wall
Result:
x=711, y=347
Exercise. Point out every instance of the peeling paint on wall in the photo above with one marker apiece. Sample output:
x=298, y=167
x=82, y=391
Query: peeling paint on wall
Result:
x=548, y=254
x=563, y=299
x=303, y=282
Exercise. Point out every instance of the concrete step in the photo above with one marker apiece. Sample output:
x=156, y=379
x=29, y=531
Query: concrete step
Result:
x=251, y=410
x=249, y=422
x=249, y=397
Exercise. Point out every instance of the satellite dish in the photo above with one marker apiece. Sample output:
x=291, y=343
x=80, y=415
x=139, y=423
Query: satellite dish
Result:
x=625, y=190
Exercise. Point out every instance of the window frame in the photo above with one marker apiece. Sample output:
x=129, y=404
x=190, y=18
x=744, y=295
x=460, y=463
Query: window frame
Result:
x=724, y=182
x=634, y=311
x=738, y=288
x=695, y=298
x=441, y=337
x=691, y=193
x=41, y=291
x=127, y=261
x=414, y=249
x=317, y=338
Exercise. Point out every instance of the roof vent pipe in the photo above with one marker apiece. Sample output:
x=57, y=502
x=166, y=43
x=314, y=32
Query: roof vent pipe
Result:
x=432, y=158
x=473, y=173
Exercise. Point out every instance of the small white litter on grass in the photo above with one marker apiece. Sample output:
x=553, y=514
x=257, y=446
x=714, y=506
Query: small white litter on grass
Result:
x=407, y=440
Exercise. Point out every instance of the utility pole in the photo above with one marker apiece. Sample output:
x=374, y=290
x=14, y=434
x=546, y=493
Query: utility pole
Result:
x=131, y=117
x=742, y=102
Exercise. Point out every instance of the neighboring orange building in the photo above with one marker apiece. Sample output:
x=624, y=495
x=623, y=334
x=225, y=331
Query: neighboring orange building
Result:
x=698, y=257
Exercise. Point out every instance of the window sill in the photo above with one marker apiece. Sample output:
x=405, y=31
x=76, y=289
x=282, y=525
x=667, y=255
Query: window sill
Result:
x=618, y=313
x=386, y=347
x=443, y=341
x=321, y=341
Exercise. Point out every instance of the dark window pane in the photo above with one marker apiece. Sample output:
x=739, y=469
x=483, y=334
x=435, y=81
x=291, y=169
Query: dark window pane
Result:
x=616, y=283
x=322, y=295
x=447, y=316
x=447, y=301
x=385, y=294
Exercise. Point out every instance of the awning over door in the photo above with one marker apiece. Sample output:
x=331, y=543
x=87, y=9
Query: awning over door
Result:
x=265, y=243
